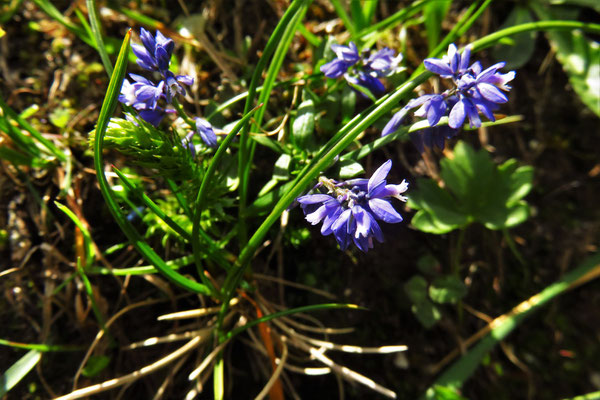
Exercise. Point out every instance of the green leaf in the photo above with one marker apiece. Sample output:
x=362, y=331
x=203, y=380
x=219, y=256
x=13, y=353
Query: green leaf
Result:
x=350, y=169
x=426, y=222
x=348, y=103
x=268, y=142
x=303, y=127
x=18, y=371
x=95, y=365
x=446, y=393
x=282, y=168
x=427, y=313
x=455, y=375
x=475, y=191
x=579, y=58
x=416, y=289
x=435, y=12
x=438, y=202
x=447, y=289
x=521, y=49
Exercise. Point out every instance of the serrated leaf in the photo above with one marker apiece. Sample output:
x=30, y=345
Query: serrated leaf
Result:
x=426, y=222
x=579, y=58
x=521, y=49
x=436, y=201
x=475, y=191
x=447, y=289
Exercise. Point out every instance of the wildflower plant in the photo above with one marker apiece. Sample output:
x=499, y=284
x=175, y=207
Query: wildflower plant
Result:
x=199, y=200
x=365, y=70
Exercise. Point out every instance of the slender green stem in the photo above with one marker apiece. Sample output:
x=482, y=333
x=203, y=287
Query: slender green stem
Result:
x=34, y=132
x=464, y=23
x=463, y=28
x=246, y=147
x=341, y=12
x=181, y=112
x=107, y=109
x=502, y=326
x=457, y=252
x=395, y=19
x=513, y=247
x=206, y=182
x=495, y=37
x=219, y=378
x=97, y=34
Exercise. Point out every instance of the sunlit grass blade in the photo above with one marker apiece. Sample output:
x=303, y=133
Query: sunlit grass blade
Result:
x=18, y=371
x=395, y=19
x=502, y=326
x=435, y=12
x=39, y=347
x=27, y=142
x=341, y=12
x=315, y=307
x=55, y=14
x=108, y=107
x=87, y=238
x=97, y=34
x=277, y=46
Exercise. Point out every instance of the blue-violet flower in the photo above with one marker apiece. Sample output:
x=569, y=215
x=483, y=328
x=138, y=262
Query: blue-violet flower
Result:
x=351, y=209
x=474, y=91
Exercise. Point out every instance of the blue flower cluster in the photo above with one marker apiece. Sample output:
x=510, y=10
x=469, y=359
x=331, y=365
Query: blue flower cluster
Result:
x=351, y=209
x=474, y=90
x=364, y=71
x=154, y=54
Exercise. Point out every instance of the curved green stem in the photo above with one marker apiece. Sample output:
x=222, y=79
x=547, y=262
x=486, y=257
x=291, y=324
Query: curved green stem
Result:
x=108, y=107
x=206, y=181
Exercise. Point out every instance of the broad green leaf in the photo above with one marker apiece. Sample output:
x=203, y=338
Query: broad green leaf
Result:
x=426, y=222
x=469, y=176
x=18, y=371
x=579, y=58
x=447, y=289
x=521, y=49
x=476, y=191
x=515, y=215
x=427, y=313
x=416, y=289
x=304, y=124
x=437, y=201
